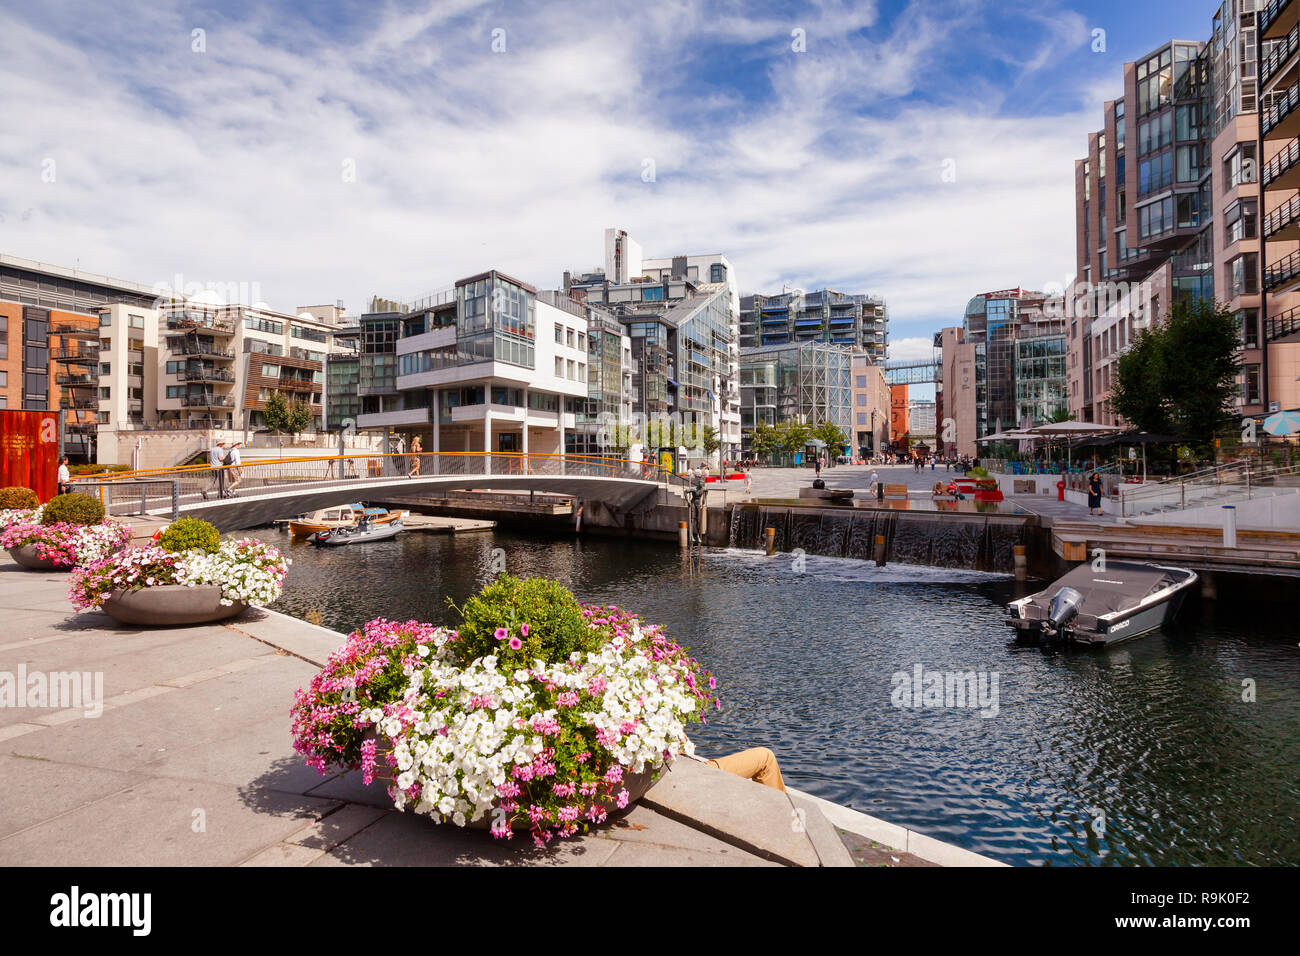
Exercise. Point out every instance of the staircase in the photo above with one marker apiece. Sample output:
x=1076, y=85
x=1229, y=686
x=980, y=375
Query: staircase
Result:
x=1210, y=487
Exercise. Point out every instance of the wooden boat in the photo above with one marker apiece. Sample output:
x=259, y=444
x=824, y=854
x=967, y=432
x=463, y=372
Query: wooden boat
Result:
x=341, y=516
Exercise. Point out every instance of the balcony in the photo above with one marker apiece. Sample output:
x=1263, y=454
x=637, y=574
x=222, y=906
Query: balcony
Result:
x=1284, y=326
x=76, y=381
x=71, y=331
x=1282, y=121
x=199, y=322
x=207, y=401
x=1283, y=223
x=1283, y=275
x=205, y=375
x=1281, y=56
x=75, y=356
x=298, y=384
x=1283, y=170
x=179, y=347
x=1277, y=19
x=73, y=401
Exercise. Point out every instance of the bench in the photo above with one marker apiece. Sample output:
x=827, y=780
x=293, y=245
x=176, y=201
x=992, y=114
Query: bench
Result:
x=895, y=491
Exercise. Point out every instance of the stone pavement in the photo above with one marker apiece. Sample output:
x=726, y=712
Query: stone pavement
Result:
x=191, y=763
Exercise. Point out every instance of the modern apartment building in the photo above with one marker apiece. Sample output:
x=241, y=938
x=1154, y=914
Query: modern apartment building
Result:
x=920, y=421
x=1278, y=36
x=49, y=354
x=837, y=318
x=1173, y=211
x=486, y=366
x=682, y=314
x=810, y=382
x=955, y=402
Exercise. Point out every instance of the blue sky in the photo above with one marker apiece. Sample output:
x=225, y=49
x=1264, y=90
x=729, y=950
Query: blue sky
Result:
x=319, y=151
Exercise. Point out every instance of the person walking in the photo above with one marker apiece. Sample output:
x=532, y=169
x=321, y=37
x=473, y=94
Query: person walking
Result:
x=216, y=464
x=64, y=477
x=817, y=466
x=234, y=459
x=416, y=447
x=1094, y=494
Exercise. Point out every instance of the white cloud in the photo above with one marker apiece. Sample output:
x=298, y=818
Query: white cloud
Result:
x=229, y=165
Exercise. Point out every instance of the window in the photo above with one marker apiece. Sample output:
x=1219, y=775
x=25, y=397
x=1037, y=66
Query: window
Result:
x=264, y=325
x=1156, y=173
x=582, y=341
x=1239, y=166
x=559, y=335
x=137, y=321
x=1241, y=220
x=1156, y=218
x=1252, y=385
x=559, y=367
x=270, y=371
x=176, y=391
x=4, y=379
x=105, y=394
x=717, y=272
x=105, y=368
x=568, y=337
x=572, y=373
x=862, y=381
x=1249, y=322
x=1189, y=209
x=105, y=319
x=1243, y=275
x=1188, y=162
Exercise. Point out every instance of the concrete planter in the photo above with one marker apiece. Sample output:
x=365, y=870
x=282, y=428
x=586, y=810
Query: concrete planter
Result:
x=170, y=605
x=636, y=784
x=26, y=556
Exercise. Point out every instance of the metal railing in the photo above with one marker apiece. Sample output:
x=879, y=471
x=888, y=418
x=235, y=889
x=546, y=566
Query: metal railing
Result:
x=1236, y=480
x=1270, y=13
x=1282, y=107
x=1280, y=326
x=1281, y=217
x=1281, y=53
x=193, y=483
x=1284, y=270
x=205, y=375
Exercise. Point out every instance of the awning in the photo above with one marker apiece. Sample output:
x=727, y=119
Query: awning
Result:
x=673, y=384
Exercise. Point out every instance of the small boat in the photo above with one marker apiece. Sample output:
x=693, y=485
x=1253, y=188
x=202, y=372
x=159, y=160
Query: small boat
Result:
x=1099, y=608
x=363, y=531
x=343, y=516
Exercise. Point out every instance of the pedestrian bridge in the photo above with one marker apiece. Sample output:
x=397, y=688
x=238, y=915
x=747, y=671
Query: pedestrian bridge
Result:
x=267, y=490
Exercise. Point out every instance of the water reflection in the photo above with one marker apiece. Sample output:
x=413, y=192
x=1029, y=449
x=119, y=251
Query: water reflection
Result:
x=1141, y=754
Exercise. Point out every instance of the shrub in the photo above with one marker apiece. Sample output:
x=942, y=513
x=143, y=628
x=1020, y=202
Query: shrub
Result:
x=96, y=469
x=190, y=534
x=17, y=497
x=73, y=509
x=522, y=620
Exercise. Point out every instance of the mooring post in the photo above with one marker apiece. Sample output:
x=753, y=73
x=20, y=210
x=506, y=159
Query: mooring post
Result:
x=771, y=541
x=1209, y=587
x=683, y=539
x=1229, y=526
x=880, y=550
x=1021, y=564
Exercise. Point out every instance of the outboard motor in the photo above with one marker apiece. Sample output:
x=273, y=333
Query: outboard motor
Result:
x=1065, y=605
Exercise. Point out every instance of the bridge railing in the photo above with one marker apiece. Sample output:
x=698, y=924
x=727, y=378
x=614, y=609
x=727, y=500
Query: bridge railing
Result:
x=162, y=488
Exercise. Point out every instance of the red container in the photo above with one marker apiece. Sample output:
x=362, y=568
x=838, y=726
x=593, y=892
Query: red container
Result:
x=29, y=451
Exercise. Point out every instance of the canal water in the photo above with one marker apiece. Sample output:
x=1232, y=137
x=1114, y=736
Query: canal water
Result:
x=1181, y=748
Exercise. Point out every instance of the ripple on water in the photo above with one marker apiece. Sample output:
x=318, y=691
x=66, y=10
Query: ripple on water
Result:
x=1142, y=754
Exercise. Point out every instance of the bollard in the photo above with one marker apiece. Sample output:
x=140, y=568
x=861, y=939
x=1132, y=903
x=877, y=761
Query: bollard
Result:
x=1229, y=526
x=682, y=539
x=880, y=550
x=1021, y=564
x=771, y=541
x=1209, y=587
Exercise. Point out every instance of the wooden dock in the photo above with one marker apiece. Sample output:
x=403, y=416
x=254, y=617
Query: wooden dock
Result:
x=436, y=524
x=1257, y=552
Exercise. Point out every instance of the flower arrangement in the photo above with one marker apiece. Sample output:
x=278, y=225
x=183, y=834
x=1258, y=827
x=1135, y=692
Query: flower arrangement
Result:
x=66, y=543
x=246, y=570
x=545, y=743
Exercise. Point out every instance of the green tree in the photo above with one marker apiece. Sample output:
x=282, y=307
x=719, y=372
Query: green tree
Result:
x=1137, y=390
x=300, y=417
x=764, y=442
x=711, y=440
x=276, y=412
x=833, y=436
x=793, y=437
x=1181, y=377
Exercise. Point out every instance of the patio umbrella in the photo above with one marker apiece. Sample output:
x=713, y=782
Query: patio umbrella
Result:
x=1283, y=423
x=1073, y=429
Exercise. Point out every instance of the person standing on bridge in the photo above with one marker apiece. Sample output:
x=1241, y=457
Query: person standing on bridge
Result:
x=416, y=448
x=234, y=460
x=216, y=463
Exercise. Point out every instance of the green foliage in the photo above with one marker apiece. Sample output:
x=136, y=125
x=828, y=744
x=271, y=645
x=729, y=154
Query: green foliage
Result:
x=710, y=438
x=299, y=417
x=554, y=619
x=16, y=496
x=977, y=472
x=96, y=469
x=1181, y=377
x=190, y=534
x=1137, y=393
x=74, y=509
x=1060, y=415
x=833, y=436
x=763, y=440
x=793, y=437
